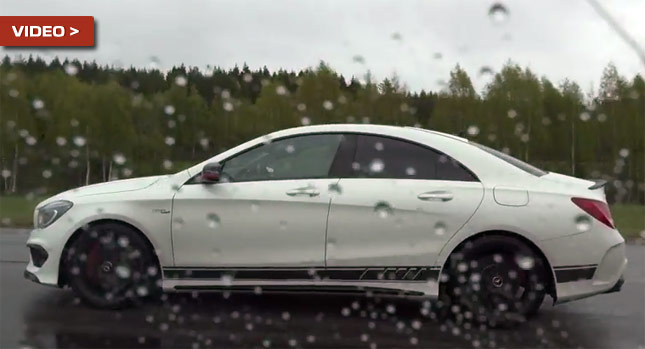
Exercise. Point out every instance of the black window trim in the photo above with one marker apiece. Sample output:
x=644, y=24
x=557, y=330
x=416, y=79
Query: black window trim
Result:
x=195, y=179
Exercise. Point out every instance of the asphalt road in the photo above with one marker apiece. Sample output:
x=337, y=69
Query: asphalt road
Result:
x=35, y=316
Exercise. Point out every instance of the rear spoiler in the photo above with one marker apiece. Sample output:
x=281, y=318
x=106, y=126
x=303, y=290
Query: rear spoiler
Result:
x=598, y=183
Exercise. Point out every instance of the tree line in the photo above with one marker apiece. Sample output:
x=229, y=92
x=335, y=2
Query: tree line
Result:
x=70, y=123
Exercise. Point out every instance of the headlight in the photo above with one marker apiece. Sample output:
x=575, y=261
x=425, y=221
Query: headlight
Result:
x=49, y=213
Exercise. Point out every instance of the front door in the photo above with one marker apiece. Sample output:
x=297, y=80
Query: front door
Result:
x=270, y=208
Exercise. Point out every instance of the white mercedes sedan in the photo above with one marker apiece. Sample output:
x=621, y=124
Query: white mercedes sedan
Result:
x=338, y=208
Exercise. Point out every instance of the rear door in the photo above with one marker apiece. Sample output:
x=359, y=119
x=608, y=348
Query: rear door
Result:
x=397, y=205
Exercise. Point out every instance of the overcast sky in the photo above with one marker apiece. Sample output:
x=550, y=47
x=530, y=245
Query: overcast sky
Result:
x=556, y=38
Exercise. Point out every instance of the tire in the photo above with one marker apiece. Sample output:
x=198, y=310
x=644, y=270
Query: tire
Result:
x=495, y=280
x=111, y=266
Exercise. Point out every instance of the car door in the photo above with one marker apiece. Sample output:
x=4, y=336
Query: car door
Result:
x=269, y=208
x=400, y=204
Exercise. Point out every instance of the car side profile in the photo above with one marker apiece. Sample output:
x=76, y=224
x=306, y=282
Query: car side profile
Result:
x=385, y=209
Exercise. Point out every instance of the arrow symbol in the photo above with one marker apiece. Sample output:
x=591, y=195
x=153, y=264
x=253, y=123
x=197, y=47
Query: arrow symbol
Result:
x=74, y=31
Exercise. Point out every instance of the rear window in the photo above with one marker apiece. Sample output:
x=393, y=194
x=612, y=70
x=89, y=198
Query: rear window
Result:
x=511, y=160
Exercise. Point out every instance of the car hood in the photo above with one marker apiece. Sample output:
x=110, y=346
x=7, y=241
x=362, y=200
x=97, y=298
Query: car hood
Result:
x=112, y=187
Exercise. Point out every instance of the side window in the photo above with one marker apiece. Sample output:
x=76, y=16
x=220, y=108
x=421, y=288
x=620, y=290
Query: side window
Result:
x=300, y=157
x=381, y=157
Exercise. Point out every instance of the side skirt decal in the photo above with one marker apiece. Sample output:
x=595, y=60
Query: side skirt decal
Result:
x=387, y=274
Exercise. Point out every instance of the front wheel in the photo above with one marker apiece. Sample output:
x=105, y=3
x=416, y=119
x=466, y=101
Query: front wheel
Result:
x=496, y=282
x=111, y=266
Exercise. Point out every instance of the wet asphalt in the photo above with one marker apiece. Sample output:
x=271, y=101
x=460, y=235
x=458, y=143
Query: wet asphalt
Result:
x=35, y=316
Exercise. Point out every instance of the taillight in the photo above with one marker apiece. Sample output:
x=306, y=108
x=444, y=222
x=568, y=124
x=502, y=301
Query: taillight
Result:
x=597, y=209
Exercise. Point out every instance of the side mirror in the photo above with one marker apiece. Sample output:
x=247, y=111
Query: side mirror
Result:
x=211, y=172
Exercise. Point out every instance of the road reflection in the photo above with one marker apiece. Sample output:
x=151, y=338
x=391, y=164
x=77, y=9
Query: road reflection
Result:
x=275, y=320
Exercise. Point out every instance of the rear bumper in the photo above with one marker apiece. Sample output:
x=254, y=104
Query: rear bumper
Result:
x=587, y=264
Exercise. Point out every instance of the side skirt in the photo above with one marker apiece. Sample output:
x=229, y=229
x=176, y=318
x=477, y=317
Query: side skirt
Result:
x=388, y=280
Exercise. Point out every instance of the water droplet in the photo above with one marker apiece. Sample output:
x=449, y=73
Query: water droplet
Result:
x=119, y=158
x=283, y=225
x=290, y=148
x=440, y=228
x=379, y=146
x=416, y=324
x=383, y=209
x=583, y=223
x=14, y=93
x=485, y=71
x=311, y=338
x=169, y=109
x=79, y=141
x=624, y=153
x=6, y=173
x=228, y=106
x=181, y=80
x=390, y=309
x=358, y=59
x=213, y=220
x=396, y=36
x=247, y=77
x=142, y=291
x=377, y=166
x=70, y=69
x=123, y=241
x=170, y=141
x=328, y=105
x=525, y=262
x=305, y=121
x=414, y=340
x=61, y=141
x=410, y=171
x=473, y=130
x=335, y=188
x=167, y=164
x=281, y=90
x=498, y=13
x=511, y=113
x=38, y=103
x=47, y=174
x=286, y=316
x=345, y=311
x=585, y=116
x=301, y=107
x=122, y=271
x=30, y=140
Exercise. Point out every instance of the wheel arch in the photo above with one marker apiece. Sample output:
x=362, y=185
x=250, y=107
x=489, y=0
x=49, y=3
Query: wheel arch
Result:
x=551, y=287
x=78, y=232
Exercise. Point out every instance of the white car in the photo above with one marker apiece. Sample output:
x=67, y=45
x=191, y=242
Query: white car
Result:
x=397, y=210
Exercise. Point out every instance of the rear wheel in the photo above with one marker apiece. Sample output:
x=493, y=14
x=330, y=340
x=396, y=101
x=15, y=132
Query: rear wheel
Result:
x=111, y=266
x=495, y=280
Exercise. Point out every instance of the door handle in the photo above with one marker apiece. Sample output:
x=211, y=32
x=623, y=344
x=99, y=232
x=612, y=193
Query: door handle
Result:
x=438, y=195
x=311, y=192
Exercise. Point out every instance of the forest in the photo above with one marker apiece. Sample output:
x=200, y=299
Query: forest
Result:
x=66, y=123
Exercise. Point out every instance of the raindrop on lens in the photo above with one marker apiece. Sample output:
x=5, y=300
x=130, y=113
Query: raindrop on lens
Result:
x=440, y=228
x=473, y=130
x=47, y=174
x=281, y=90
x=170, y=141
x=61, y=141
x=525, y=262
x=305, y=121
x=181, y=80
x=328, y=105
x=169, y=109
x=213, y=220
x=377, y=166
x=79, y=141
x=38, y=103
x=583, y=223
x=624, y=153
x=71, y=69
x=122, y=271
x=119, y=158
x=498, y=13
